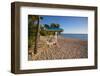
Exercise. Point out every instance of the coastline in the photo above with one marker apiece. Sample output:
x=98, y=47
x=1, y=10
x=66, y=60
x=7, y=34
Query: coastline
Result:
x=67, y=48
x=75, y=36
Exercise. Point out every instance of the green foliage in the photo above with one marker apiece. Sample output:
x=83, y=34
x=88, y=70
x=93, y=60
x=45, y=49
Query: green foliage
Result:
x=45, y=33
x=31, y=41
x=32, y=29
x=46, y=25
x=53, y=25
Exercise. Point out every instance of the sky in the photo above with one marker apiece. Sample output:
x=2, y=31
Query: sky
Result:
x=70, y=24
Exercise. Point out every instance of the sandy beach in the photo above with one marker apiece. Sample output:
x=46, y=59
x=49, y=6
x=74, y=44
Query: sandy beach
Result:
x=66, y=49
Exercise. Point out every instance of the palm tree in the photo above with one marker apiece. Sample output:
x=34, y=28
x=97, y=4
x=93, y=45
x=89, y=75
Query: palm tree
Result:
x=37, y=34
x=34, y=24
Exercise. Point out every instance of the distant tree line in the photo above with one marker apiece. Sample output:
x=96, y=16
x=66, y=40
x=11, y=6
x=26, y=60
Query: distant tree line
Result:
x=45, y=33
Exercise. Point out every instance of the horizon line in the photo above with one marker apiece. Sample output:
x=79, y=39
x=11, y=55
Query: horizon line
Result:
x=74, y=33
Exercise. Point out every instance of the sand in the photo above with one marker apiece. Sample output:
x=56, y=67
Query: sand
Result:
x=66, y=49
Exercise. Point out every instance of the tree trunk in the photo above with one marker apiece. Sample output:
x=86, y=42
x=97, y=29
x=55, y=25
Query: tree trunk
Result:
x=37, y=36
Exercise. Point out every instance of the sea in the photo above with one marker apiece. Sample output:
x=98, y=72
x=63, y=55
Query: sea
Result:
x=76, y=36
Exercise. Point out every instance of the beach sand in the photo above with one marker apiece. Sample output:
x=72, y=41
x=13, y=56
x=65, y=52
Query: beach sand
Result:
x=67, y=48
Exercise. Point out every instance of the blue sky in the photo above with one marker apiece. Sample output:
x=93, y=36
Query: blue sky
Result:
x=70, y=24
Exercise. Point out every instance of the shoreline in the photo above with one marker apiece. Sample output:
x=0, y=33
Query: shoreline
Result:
x=71, y=38
x=75, y=36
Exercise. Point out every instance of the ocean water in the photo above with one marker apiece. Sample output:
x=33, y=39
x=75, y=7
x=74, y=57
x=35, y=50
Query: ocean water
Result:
x=76, y=36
